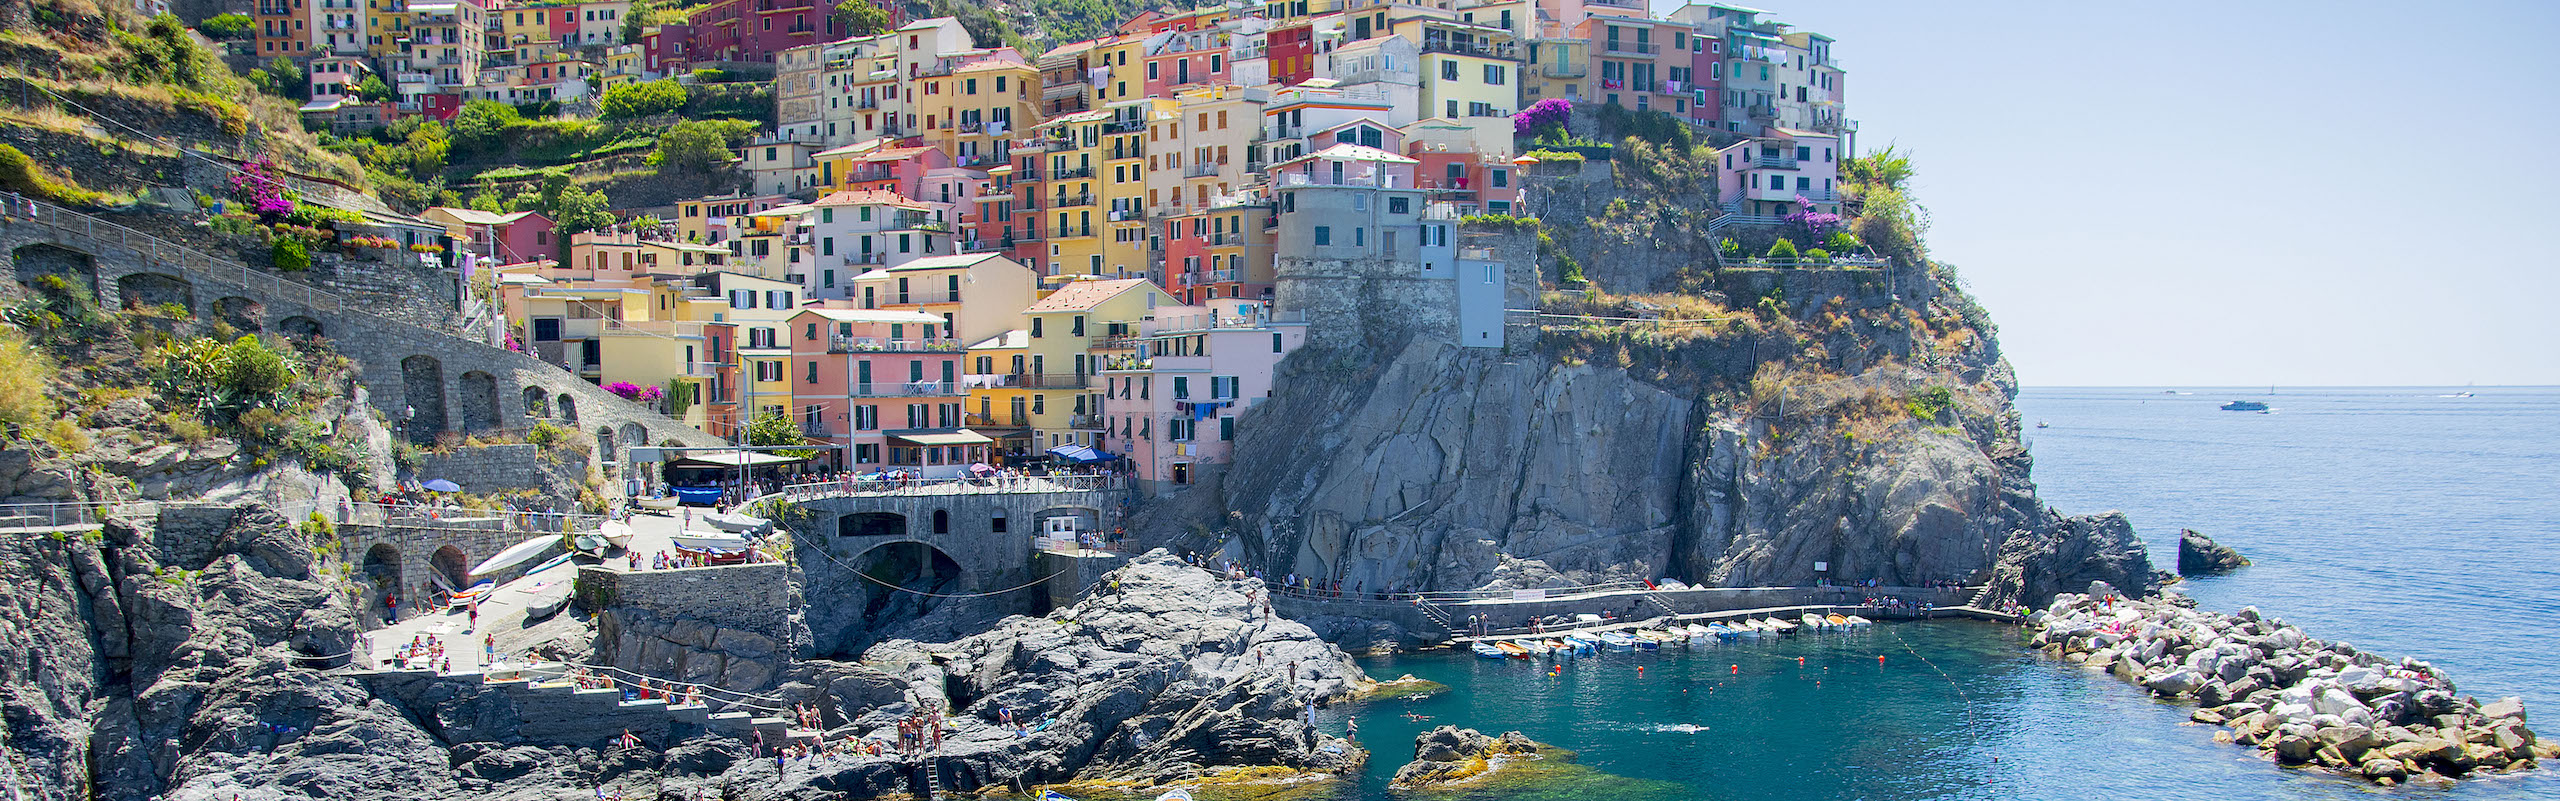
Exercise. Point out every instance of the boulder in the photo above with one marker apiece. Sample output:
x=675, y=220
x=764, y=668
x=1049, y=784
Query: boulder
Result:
x=2199, y=555
x=2172, y=684
x=2503, y=708
x=1448, y=755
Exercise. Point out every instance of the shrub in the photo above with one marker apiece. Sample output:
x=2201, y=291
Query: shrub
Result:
x=546, y=435
x=636, y=100
x=1929, y=403
x=67, y=436
x=1541, y=117
x=1565, y=157
x=185, y=427
x=1817, y=254
x=290, y=254
x=1784, y=248
x=1841, y=242
x=24, y=372
x=1729, y=247
x=233, y=25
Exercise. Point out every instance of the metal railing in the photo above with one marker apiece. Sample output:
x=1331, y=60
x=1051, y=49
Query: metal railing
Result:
x=881, y=485
x=50, y=515
x=844, y=344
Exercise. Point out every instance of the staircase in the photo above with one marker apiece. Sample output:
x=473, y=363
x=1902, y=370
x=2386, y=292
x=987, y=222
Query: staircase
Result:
x=555, y=709
x=1661, y=603
x=933, y=778
x=1437, y=615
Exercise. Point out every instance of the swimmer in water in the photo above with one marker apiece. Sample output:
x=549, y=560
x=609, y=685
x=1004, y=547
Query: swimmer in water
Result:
x=1416, y=717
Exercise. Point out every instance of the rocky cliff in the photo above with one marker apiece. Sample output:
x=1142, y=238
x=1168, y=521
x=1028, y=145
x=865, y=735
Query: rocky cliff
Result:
x=1859, y=429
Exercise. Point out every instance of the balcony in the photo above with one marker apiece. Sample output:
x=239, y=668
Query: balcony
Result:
x=1124, y=126
x=1066, y=201
x=1634, y=48
x=1321, y=179
x=1226, y=239
x=595, y=327
x=1780, y=162
x=1050, y=380
x=1007, y=420
x=844, y=344
x=1500, y=50
x=1072, y=232
x=1073, y=173
x=906, y=389
x=925, y=298
x=698, y=369
x=817, y=430
x=1562, y=68
x=1203, y=170
x=1085, y=421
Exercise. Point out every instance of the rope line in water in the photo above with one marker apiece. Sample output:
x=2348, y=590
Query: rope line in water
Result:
x=1970, y=720
x=822, y=553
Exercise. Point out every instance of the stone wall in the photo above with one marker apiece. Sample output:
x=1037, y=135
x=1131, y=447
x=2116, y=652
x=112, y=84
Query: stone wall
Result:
x=726, y=626
x=488, y=468
x=835, y=537
x=1410, y=618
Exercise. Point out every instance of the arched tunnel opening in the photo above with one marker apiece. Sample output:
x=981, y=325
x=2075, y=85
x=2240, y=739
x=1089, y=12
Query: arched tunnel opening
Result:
x=900, y=582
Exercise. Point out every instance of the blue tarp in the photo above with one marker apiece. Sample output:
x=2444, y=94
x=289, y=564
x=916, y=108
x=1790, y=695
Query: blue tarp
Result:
x=705, y=496
x=1081, y=454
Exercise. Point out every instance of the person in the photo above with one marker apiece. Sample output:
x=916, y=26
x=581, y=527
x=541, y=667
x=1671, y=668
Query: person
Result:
x=1354, y=733
x=392, y=603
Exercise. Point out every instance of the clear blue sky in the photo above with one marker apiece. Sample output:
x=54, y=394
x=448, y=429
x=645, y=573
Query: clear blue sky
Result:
x=2231, y=193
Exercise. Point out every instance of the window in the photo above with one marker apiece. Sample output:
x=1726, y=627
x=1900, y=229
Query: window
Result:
x=1448, y=69
x=1493, y=76
x=1075, y=327
x=1181, y=388
x=1359, y=237
x=1035, y=327
x=941, y=521
x=1227, y=425
x=997, y=522
x=813, y=372
x=1398, y=205
x=1501, y=178
x=1324, y=236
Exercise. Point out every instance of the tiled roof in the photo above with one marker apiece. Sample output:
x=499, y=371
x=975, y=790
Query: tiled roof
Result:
x=1082, y=295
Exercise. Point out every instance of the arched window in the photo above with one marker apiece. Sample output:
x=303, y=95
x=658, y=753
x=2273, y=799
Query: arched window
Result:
x=997, y=523
x=941, y=521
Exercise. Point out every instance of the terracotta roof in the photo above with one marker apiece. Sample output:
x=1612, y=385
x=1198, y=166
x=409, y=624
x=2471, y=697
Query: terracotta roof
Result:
x=873, y=315
x=896, y=154
x=1082, y=295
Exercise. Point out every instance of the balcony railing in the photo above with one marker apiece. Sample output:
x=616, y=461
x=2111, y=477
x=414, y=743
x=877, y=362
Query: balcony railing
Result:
x=905, y=389
x=1088, y=421
x=1501, y=50
x=1780, y=162
x=843, y=344
x=1638, y=48
x=1072, y=232
x=1202, y=170
x=1064, y=201
x=1323, y=179
x=1006, y=420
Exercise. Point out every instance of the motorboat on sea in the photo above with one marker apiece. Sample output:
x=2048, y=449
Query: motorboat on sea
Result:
x=1667, y=636
x=1486, y=650
x=1813, y=622
x=1749, y=628
x=1857, y=622
x=1837, y=620
x=1617, y=641
x=1723, y=632
x=1513, y=649
x=1556, y=646
x=2244, y=406
x=1698, y=635
x=1781, y=626
x=1582, y=644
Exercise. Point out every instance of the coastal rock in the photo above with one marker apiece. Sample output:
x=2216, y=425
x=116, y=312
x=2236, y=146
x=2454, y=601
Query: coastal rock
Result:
x=2035, y=566
x=1450, y=755
x=2302, y=700
x=2199, y=555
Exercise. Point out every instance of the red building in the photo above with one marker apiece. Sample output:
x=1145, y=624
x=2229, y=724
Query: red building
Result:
x=1705, y=83
x=755, y=30
x=667, y=48
x=1291, y=49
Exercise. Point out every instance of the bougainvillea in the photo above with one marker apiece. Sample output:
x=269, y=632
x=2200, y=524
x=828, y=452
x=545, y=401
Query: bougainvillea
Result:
x=635, y=392
x=1539, y=116
x=256, y=185
x=1816, y=223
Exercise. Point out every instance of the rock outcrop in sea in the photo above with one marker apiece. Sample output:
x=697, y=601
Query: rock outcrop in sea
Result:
x=2199, y=555
x=1450, y=755
x=2301, y=700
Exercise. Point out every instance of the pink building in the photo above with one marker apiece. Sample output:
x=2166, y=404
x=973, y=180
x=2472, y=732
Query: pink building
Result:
x=882, y=388
x=1176, y=403
x=508, y=237
x=1773, y=176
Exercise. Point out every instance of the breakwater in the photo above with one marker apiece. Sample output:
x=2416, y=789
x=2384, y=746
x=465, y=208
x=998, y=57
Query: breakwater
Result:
x=2301, y=700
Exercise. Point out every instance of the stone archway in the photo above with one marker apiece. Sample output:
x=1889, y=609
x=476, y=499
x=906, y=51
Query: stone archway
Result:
x=242, y=313
x=136, y=290
x=872, y=524
x=300, y=327
x=917, y=571
x=41, y=259
x=569, y=408
x=537, y=402
x=479, y=401
x=380, y=575
x=604, y=444
x=451, y=563
x=422, y=385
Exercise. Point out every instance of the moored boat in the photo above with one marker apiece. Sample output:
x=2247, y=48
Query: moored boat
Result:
x=1782, y=626
x=1556, y=646
x=1698, y=634
x=1617, y=641
x=710, y=541
x=1582, y=644
x=1723, y=632
x=1836, y=620
x=1513, y=649
x=1859, y=622
x=1813, y=622
x=1486, y=650
x=1749, y=628
x=616, y=533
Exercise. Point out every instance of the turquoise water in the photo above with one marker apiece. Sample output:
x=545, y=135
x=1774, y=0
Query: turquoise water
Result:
x=2390, y=518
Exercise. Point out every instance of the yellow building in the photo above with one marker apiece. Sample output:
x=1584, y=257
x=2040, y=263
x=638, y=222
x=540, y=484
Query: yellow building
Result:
x=1468, y=70
x=985, y=105
x=1066, y=328
x=522, y=26
x=759, y=311
x=1123, y=59
x=1122, y=182
x=386, y=22
x=999, y=402
x=1067, y=195
x=978, y=295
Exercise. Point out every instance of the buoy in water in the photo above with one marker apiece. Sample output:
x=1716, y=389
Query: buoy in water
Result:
x=1737, y=670
x=1799, y=661
x=1879, y=659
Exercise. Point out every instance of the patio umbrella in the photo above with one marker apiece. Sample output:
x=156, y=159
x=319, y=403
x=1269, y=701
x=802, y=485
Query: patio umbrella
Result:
x=441, y=485
x=981, y=467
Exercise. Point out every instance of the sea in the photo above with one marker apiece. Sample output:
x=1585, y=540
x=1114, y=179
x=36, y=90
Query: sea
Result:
x=2419, y=521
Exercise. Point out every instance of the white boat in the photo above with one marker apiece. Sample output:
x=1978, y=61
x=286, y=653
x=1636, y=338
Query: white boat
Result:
x=1748, y=628
x=710, y=541
x=736, y=522
x=665, y=503
x=1697, y=633
x=545, y=607
x=1617, y=641
x=1815, y=623
x=1857, y=622
x=1778, y=626
x=1582, y=644
x=547, y=564
x=1487, y=650
x=616, y=533
x=516, y=554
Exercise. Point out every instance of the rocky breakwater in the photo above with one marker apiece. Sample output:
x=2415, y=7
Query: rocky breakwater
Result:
x=2304, y=701
x=1449, y=756
x=1164, y=675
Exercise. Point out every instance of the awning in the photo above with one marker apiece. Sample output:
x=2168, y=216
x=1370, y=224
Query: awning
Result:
x=1080, y=453
x=961, y=437
x=734, y=459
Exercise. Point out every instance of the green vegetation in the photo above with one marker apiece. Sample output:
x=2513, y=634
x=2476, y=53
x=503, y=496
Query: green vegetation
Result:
x=227, y=26
x=222, y=380
x=862, y=19
x=1503, y=222
x=291, y=255
x=24, y=374
x=1929, y=404
x=700, y=145
x=21, y=174
x=774, y=429
x=570, y=208
x=1888, y=219
x=1658, y=128
x=1545, y=156
x=633, y=101
x=1784, y=248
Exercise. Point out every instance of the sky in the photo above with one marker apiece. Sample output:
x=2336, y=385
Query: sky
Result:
x=2230, y=194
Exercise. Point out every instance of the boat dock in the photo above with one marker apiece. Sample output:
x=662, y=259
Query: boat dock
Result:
x=1787, y=613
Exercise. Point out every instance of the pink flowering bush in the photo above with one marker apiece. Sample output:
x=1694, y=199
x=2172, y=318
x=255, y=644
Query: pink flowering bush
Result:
x=256, y=185
x=634, y=392
x=1817, y=224
x=1541, y=116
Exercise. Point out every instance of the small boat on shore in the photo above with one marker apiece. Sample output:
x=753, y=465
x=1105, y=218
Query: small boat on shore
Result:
x=1513, y=649
x=736, y=522
x=1486, y=650
x=663, y=503
x=710, y=541
x=1723, y=632
x=616, y=533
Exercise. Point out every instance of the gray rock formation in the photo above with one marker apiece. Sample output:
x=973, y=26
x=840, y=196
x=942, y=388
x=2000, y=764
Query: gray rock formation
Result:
x=2199, y=555
x=1449, y=754
x=2036, y=564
